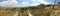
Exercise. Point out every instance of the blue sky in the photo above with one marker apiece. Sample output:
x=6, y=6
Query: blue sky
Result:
x=28, y=2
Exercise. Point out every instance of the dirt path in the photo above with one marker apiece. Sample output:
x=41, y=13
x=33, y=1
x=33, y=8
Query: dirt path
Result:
x=16, y=14
x=30, y=14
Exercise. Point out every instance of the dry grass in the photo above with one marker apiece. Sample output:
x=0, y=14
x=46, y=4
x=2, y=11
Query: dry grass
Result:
x=48, y=11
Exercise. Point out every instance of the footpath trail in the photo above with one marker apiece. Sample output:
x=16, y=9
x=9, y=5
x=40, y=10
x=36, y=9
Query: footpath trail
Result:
x=16, y=14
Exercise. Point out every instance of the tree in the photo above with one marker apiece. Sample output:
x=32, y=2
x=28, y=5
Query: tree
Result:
x=58, y=2
x=49, y=5
x=42, y=6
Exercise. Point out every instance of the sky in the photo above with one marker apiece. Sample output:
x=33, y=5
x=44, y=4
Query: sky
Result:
x=25, y=3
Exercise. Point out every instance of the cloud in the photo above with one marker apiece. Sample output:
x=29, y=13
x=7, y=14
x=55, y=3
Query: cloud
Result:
x=8, y=3
x=14, y=3
x=24, y=4
x=28, y=4
x=41, y=1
